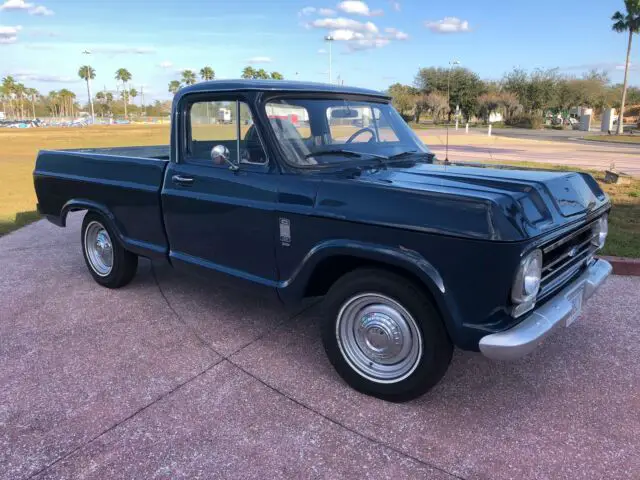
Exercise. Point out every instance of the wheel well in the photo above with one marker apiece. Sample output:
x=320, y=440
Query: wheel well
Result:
x=329, y=270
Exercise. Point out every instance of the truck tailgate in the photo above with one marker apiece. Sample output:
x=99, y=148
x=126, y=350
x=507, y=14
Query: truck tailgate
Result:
x=126, y=189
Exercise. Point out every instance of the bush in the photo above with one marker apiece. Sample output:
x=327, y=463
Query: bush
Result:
x=534, y=122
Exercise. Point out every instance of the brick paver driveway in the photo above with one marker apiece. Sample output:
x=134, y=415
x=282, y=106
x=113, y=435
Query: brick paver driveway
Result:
x=173, y=377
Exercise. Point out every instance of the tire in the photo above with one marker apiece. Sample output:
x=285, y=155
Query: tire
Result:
x=108, y=262
x=366, y=356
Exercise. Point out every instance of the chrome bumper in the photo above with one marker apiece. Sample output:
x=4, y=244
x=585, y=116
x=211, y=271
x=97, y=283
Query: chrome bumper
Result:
x=525, y=337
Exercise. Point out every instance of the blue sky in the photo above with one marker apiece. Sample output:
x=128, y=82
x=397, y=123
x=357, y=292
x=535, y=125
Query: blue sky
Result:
x=377, y=43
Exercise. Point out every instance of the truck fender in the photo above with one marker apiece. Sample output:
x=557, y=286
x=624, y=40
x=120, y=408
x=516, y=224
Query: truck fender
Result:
x=144, y=249
x=398, y=257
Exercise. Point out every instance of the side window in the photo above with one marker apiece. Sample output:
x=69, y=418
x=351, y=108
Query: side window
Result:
x=223, y=128
x=360, y=124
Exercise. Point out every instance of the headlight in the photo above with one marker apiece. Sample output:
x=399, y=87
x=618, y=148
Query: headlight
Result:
x=527, y=282
x=600, y=231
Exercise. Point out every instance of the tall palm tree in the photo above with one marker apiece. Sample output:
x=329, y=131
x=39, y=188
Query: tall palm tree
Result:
x=123, y=75
x=248, y=72
x=8, y=90
x=174, y=86
x=626, y=22
x=189, y=77
x=32, y=94
x=277, y=76
x=87, y=73
x=133, y=93
x=207, y=73
x=20, y=92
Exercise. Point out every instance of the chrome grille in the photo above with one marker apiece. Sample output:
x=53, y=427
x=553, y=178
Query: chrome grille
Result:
x=565, y=257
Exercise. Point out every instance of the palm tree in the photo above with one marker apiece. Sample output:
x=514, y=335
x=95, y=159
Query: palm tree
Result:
x=8, y=92
x=189, y=77
x=32, y=94
x=87, y=73
x=626, y=22
x=248, y=72
x=262, y=74
x=174, y=86
x=123, y=75
x=207, y=73
x=20, y=92
x=277, y=76
x=133, y=93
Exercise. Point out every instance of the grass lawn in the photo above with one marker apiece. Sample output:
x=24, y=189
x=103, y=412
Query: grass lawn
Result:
x=614, y=138
x=18, y=150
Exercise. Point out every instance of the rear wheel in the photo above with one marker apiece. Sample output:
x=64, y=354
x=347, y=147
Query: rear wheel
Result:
x=109, y=263
x=384, y=336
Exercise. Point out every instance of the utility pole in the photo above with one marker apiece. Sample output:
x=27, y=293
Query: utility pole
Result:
x=142, y=98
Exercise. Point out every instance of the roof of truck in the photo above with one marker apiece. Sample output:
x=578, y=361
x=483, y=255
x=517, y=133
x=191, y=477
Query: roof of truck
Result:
x=277, y=86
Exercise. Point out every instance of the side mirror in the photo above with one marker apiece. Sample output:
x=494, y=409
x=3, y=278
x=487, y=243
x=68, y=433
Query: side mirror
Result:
x=220, y=155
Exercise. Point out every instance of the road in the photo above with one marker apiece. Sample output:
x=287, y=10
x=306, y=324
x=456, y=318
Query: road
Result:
x=484, y=149
x=174, y=377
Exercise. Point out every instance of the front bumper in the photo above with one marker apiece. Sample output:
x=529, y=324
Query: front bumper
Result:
x=527, y=335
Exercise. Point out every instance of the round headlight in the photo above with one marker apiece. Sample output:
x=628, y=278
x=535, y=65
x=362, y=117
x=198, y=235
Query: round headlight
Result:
x=526, y=284
x=600, y=231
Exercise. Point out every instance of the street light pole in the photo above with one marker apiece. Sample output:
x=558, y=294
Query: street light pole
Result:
x=330, y=40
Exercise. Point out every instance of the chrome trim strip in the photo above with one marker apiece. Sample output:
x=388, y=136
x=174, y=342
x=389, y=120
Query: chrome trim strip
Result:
x=568, y=238
x=527, y=335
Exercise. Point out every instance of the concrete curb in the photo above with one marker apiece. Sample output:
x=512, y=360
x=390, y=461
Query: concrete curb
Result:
x=624, y=266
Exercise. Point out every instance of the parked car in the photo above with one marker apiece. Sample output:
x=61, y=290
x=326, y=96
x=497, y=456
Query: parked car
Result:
x=412, y=256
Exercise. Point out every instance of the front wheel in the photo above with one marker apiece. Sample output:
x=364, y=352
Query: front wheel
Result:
x=384, y=336
x=109, y=263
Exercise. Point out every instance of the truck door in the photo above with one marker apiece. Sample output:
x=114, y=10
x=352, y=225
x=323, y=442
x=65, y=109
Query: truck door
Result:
x=219, y=210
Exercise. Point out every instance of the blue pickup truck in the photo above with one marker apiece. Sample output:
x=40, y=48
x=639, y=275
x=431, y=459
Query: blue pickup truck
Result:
x=317, y=190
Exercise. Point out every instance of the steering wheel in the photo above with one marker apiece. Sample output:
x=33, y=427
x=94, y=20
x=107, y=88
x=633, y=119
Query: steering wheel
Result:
x=361, y=131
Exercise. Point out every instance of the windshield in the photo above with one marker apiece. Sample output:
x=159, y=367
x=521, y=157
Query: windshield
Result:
x=317, y=132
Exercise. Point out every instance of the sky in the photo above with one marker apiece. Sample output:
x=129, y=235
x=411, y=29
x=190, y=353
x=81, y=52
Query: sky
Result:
x=377, y=43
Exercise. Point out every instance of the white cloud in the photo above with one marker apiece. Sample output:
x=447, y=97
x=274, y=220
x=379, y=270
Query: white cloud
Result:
x=306, y=11
x=38, y=10
x=322, y=51
x=395, y=34
x=327, y=12
x=41, y=11
x=32, y=76
x=358, y=7
x=9, y=34
x=341, y=23
x=165, y=64
x=16, y=5
x=254, y=60
x=117, y=50
x=448, y=25
x=395, y=5
x=367, y=43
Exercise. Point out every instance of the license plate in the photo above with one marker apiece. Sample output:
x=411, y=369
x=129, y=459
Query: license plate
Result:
x=576, y=305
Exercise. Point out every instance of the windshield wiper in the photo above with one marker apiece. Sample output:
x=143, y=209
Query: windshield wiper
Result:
x=408, y=153
x=346, y=153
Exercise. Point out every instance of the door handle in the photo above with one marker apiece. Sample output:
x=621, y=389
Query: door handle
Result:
x=180, y=180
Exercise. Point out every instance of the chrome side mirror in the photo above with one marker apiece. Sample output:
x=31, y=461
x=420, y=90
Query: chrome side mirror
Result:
x=220, y=155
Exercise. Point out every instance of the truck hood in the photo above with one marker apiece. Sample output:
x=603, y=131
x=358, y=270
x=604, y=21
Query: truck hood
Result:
x=493, y=203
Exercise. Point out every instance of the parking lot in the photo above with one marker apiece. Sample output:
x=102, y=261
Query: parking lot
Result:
x=175, y=377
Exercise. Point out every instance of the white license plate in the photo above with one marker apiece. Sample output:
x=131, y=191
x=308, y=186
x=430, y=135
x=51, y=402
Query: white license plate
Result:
x=576, y=305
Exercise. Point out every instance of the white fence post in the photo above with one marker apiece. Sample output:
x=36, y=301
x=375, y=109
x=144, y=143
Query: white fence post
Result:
x=466, y=128
x=489, y=134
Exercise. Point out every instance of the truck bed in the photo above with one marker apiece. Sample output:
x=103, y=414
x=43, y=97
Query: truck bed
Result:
x=122, y=182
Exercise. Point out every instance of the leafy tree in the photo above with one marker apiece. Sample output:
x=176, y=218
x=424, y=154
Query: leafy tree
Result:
x=174, y=86
x=277, y=76
x=628, y=21
x=488, y=103
x=123, y=75
x=402, y=97
x=87, y=73
x=188, y=77
x=207, y=73
x=436, y=103
x=32, y=95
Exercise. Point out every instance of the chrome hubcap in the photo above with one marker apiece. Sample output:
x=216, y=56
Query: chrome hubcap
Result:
x=99, y=249
x=378, y=337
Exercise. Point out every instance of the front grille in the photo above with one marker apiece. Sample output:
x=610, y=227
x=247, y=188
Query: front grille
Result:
x=564, y=258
